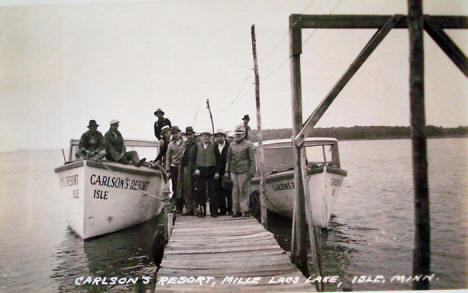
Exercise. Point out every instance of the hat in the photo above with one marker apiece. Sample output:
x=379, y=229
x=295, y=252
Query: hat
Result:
x=114, y=122
x=189, y=130
x=205, y=133
x=158, y=110
x=220, y=131
x=246, y=117
x=92, y=123
x=165, y=128
x=230, y=134
x=240, y=129
x=175, y=129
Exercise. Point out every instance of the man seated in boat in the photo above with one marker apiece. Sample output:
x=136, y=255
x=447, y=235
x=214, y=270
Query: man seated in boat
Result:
x=91, y=145
x=115, y=147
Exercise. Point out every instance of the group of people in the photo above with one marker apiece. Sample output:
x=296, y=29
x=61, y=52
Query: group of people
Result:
x=201, y=167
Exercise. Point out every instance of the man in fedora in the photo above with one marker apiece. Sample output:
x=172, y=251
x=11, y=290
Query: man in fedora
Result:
x=246, y=120
x=223, y=191
x=175, y=151
x=160, y=123
x=115, y=147
x=91, y=143
x=187, y=169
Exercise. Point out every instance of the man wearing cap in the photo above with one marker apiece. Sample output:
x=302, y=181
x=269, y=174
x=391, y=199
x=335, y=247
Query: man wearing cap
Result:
x=160, y=123
x=115, y=147
x=240, y=165
x=175, y=151
x=189, y=159
x=246, y=120
x=164, y=143
x=223, y=192
x=91, y=143
x=207, y=173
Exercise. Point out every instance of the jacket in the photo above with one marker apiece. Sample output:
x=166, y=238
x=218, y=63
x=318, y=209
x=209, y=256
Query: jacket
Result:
x=221, y=157
x=115, y=147
x=240, y=158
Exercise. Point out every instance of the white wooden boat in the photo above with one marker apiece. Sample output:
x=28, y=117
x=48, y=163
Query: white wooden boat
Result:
x=325, y=177
x=104, y=197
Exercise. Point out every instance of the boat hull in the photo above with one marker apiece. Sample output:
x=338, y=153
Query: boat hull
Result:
x=102, y=198
x=324, y=187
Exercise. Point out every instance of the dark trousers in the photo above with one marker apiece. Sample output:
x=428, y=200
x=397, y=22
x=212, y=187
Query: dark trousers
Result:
x=205, y=180
x=179, y=201
x=224, y=197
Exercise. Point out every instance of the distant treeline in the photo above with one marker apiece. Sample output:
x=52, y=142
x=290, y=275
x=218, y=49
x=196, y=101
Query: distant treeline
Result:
x=365, y=132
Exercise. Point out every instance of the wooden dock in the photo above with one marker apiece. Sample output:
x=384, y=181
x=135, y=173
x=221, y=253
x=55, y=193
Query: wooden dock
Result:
x=226, y=254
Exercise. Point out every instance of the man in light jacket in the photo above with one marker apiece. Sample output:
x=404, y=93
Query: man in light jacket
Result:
x=240, y=165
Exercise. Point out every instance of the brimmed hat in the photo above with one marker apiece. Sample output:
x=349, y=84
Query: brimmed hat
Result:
x=220, y=131
x=92, y=123
x=240, y=129
x=165, y=128
x=114, y=121
x=246, y=117
x=189, y=130
x=158, y=110
x=175, y=129
x=205, y=133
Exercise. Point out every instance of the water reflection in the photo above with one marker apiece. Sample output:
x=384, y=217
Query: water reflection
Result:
x=122, y=258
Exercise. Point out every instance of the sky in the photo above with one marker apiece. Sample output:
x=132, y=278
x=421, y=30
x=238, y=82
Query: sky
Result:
x=63, y=63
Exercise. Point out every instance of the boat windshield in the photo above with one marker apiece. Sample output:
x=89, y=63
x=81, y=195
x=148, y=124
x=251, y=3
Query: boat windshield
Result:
x=280, y=158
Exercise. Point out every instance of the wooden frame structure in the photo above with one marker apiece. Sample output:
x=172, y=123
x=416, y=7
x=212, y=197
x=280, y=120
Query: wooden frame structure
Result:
x=415, y=22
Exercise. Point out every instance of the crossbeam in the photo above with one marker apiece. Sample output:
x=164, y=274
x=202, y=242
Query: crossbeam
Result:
x=353, y=68
x=373, y=21
x=447, y=45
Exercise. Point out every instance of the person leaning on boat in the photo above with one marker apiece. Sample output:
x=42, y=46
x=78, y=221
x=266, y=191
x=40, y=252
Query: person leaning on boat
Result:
x=164, y=143
x=175, y=151
x=115, y=147
x=240, y=165
x=91, y=143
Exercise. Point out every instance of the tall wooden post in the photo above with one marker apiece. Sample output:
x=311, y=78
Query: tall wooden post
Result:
x=298, y=231
x=263, y=209
x=422, y=250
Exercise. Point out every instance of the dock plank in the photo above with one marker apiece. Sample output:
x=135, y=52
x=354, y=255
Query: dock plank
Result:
x=226, y=254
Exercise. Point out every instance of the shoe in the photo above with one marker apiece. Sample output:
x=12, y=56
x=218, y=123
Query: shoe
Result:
x=188, y=214
x=246, y=214
x=236, y=215
x=140, y=162
x=229, y=213
x=214, y=215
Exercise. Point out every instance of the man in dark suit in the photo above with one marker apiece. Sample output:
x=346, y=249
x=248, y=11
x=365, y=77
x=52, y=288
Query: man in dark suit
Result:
x=160, y=123
x=223, y=193
x=206, y=173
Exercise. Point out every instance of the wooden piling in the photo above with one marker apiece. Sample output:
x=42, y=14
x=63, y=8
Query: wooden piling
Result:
x=422, y=250
x=263, y=209
x=298, y=237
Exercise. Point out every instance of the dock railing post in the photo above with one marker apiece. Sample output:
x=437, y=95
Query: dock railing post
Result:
x=422, y=250
x=263, y=210
x=298, y=237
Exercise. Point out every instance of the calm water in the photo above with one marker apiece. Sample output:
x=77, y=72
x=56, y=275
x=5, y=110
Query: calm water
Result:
x=372, y=231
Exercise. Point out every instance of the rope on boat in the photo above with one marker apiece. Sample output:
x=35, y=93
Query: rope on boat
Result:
x=164, y=201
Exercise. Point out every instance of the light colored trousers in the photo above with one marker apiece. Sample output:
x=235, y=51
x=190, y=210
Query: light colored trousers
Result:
x=240, y=192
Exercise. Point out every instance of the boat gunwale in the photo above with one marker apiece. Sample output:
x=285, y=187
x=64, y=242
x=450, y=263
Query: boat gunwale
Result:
x=128, y=169
x=290, y=174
